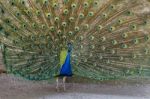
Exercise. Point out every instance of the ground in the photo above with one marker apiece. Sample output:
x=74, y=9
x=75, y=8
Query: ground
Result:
x=17, y=88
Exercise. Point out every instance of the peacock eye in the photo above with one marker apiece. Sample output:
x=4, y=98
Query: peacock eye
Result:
x=38, y=13
x=124, y=46
x=135, y=41
x=86, y=4
x=34, y=25
x=147, y=37
x=133, y=27
x=77, y=28
x=90, y=14
x=64, y=37
x=59, y=32
x=120, y=21
x=129, y=13
x=18, y=14
x=111, y=29
x=86, y=26
x=55, y=5
x=81, y=38
x=134, y=56
x=124, y=35
x=24, y=25
x=56, y=19
x=66, y=11
x=64, y=24
x=95, y=3
x=71, y=19
x=146, y=51
x=103, y=39
x=100, y=27
x=52, y=28
x=43, y=26
x=12, y=2
x=92, y=46
x=121, y=58
x=91, y=37
x=45, y=2
x=70, y=33
x=73, y=5
x=114, y=42
x=112, y=51
x=22, y=2
x=48, y=15
x=81, y=15
x=104, y=15
x=112, y=7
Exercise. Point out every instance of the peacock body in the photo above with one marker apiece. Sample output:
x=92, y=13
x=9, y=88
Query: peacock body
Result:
x=110, y=38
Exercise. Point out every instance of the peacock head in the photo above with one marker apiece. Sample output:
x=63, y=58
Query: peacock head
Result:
x=69, y=47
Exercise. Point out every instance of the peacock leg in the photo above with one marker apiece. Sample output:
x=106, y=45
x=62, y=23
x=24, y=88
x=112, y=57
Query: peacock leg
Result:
x=64, y=83
x=57, y=84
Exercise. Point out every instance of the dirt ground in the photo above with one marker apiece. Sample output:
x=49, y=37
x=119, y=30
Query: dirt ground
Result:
x=17, y=88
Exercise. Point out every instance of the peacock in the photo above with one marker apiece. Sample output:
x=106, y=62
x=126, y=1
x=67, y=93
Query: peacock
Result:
x=94, y=39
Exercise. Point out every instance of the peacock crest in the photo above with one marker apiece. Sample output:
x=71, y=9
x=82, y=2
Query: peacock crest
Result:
x=110, y=38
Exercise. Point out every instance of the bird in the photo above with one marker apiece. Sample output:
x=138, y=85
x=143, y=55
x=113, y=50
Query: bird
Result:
x=94, y=39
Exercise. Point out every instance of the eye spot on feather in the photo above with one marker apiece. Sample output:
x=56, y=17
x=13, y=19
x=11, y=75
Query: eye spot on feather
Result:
x=64, y=24
x=133, y=56
x=147, y=37
x=91, y=38
x=121, y=58
x=55, y=5
x=71, y=19
x=146, y=51
x=81, y=46
x=129, y=13
x=103, y=39
x=104, y=15
x=86, y=4
x=99, y=27
x=66, y=11
x=90, y=14
x=112, y=51
x=124, y=46
x=43, y=26
x=70, y=33
x=135, y=41
x=112, y=7
x=111, y=29
x=18, y=14
x=114, y=42
x=34, y=25
x=56, y=19
x=52, y=28
x=86, y=26
x=48, y=15
x=38, y=12
x=45, y=2
x=73, y=6
x=133, y=27
x=59, y=32
x=92, y=46
x=81, y=38
x=81, y=15
x=22, y=2
x=24, y=25
x=77, y=29
x=95, y=3
x=124, y=35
